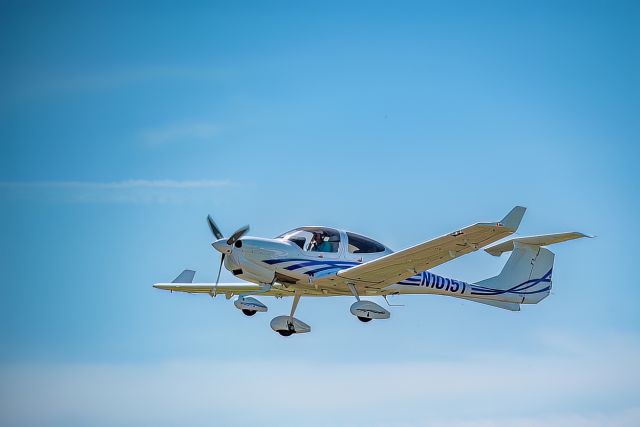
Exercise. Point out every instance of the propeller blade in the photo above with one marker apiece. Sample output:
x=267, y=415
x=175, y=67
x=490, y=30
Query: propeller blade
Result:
x=238, y=234
x=214, y=228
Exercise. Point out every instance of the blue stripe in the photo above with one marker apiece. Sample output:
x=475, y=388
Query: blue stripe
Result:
x=310, y=261
x=300, y=265
x=426, y=278
x=317, y=270
x=520, y=289
x=278, y=261
x=304, y=262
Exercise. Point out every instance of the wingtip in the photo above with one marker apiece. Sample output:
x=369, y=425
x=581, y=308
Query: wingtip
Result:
x=167, y=286
x=185, y=277
x=513, y=218
x=579, y=235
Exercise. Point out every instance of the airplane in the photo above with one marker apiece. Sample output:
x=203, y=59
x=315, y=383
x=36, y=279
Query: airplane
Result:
x=318, y=261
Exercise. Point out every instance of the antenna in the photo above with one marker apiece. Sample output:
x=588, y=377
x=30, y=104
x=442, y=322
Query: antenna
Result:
x=391, y=305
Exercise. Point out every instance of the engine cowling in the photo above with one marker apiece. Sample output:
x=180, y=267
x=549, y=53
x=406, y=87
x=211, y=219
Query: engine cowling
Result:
x=249, y=305
x=245, y=269
x=368, y=310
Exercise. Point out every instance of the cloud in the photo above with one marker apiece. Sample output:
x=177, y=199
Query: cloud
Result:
x=179, y=133
x=127, y=184
x=57, y=81
x=127, y=191
x=491, y=390
x=623, y=418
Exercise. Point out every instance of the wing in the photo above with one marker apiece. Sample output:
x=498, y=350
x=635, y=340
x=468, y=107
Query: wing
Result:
x=183, y=283
x=398, y=266
x=228, y=289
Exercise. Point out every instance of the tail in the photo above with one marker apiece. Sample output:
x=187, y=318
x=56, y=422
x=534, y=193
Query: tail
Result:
x=526, y=277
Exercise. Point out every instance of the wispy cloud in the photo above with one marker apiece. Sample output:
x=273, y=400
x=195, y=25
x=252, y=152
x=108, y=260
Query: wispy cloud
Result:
x=622, y=418
x=54, y=82
x=127, y=191
x=126, y=184
x=196, y=131
x=491, y=390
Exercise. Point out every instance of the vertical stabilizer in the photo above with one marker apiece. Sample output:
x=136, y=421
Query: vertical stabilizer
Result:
x=525, y=278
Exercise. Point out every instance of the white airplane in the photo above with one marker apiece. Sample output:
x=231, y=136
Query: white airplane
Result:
x=322, y=262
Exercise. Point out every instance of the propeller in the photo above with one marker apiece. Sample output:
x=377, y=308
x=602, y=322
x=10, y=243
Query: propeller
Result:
x=238, y=234
x=215, y=230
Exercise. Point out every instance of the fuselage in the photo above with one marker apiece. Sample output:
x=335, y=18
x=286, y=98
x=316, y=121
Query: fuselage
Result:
x=289, y=260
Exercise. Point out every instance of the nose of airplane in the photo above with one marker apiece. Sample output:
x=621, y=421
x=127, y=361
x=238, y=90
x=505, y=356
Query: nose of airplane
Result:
x=222, y=246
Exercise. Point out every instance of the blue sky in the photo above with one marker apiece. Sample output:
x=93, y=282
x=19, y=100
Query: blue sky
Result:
x=122, y=127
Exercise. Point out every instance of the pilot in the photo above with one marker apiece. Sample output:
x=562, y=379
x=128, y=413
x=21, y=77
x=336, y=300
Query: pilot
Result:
x=318, y=244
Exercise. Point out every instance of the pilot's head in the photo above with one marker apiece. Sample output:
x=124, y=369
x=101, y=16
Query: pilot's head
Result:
x=318, y=236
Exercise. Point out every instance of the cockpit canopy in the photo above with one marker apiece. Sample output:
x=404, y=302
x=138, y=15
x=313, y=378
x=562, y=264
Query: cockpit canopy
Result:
x=315, y=239
x=363, y=245
x=325, y=239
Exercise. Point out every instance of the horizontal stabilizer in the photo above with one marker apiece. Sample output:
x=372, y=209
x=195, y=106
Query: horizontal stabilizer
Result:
x=542, y=240
x=185, y=277
x=511, y=306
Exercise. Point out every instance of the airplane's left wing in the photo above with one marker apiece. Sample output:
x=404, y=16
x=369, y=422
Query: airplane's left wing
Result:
x=400, y=265
x=183, y=283
x=228, y=289
x=206, y=288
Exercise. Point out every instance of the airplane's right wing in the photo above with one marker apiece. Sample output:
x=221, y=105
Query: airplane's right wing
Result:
x=400, y=265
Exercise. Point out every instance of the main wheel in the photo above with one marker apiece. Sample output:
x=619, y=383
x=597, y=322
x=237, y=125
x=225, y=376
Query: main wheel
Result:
x=364, y=319
x=285, y=333
x=248, y=312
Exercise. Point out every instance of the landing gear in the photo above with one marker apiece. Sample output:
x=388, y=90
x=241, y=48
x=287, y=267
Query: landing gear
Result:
x=249, y=305
x=366, y=311
x=288, y=325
